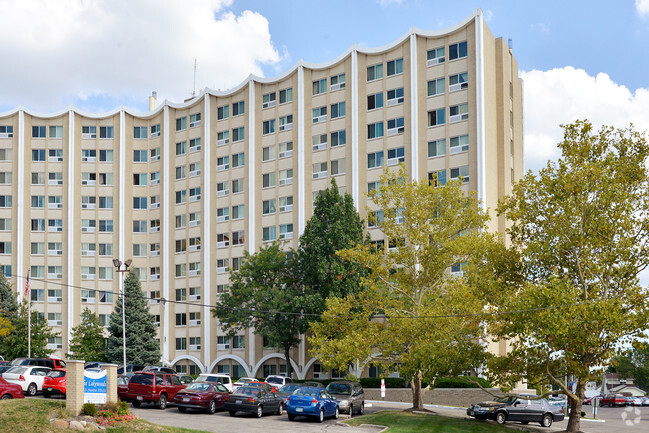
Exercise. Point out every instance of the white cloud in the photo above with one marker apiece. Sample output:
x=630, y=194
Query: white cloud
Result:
x=540, y=27
x=123, y=49
x=488, y=15
x=563, y=95
x=642, y=7
x=386, y=3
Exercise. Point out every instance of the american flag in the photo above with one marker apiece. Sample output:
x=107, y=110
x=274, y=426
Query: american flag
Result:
x=27, y=285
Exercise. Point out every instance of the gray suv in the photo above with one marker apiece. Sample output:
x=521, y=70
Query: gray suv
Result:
x=350, y=396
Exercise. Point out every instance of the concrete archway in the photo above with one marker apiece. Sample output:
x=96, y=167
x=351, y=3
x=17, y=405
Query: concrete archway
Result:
x=189, y=358
x=236, y=358
x=296, y=368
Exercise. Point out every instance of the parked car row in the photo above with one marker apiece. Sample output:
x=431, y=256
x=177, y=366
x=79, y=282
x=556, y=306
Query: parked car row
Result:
x=523, y=408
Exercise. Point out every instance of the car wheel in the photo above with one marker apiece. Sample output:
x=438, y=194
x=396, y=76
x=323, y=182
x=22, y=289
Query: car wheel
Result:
x=610, y=404
x=233, y=412
x=31, y=389
x=361, y=411
x=260, y=411
x=6, y=397
x=280, y=409
x=182, y=409
x=136, y=403
x=162, y=403
x=336, y=413
x=501, y=417
x=525, y=422
x=212, y=407
x=291, y=417
x=546, y=421
x=351, y=410
x=321, y=415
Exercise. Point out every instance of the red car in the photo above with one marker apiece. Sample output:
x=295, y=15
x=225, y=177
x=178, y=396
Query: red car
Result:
x=122, y=386
x=202, y=395
x=153, y=387
x=612, y=400
x=10, y=390
x=263, y=385
x=54, y=383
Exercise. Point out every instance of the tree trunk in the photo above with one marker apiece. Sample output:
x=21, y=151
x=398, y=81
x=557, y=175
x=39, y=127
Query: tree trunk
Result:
x=289, y=369
x=417, y=393
x=574, y=421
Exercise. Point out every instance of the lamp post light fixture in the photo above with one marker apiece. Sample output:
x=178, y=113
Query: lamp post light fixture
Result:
x=118, y=267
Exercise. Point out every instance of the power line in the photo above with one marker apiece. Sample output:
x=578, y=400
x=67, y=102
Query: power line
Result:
x=252, y=311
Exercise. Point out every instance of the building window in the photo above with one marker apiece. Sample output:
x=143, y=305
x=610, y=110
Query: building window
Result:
x=286, y=231
x=319, y=142
x=268, y=127
x=55, y=155
x=436, y=148
x=181, y=319
x=459, y=144
x=286, y=123
x=181, y=343
x=139, y=156
x=106, y=273
x=181, y=196
x=105, y=132
x=338, y=166
x=222, y=266
x=181, y=294
x=237, y=185
x=457, y=113
x=396, y=126
x=139, y=226
x=396, y=156
x=461, y=172
x=155, y=132
x=395, y=67
x=222, y=189
x=238, y=108
x=195, y=295
x=375, y=159
x=181, y=221
x=56, y=132
x=319, y=86
x=375, y=101
x=195, y=194
x=458, y=82
x=194, y=343
x=338, y=138
x=268, y=100
x=222, y=342
x=181, y=270
x=238, y=160
x=437, y=117
x=194, y=219
x=38, y=224
x=286, y=177
x=223, y=112
x=238, y=134
x=38, y=155
x=338, y=110
x=181, y=148
x=6, y=131
x=139, y=132
x=337, y=82
x=194, y=144
x=55, y=225
x=319, y=114
x=181, y=123
x=139, y=179
x=38, y=201
x=5, y=201
x=181, y=172
x=56, y=201
x=106, y=250
x=38, y=178
x=222, y=138
x=457, y=51
x=286, y=203
x=436, y=87
x=395, y=97
x=238, y=238
x=105, y=226
x=139, y=202
x=38, y=132
x=105, y=156
x=238, y=342
x=435, y=56
x=375, y=72
x=5, y=247
x=139, y=250
x=223, y=163
x=319, y=170
x=238, y=212
x=374, y=130
x=5, y=224
x=374, y=218
x=268, y=180
x=269, y=233
x=222, y=214
x=268, y=207
x=194, y=120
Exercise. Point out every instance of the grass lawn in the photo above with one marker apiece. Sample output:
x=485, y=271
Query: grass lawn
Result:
x=406, y=422
x=33, y=415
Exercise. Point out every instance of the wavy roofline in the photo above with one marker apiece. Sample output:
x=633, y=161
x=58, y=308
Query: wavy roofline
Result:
x=252, y=78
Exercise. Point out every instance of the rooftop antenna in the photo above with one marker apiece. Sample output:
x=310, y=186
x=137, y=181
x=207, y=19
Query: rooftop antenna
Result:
x=510, y=43
x=194, y=91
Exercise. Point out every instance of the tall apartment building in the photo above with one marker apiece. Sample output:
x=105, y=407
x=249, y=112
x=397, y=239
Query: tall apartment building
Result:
x=184, y=189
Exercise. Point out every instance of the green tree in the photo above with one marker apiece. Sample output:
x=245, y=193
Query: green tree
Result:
x=8, y=302
x=265, y=293
x=142, y=347
x=581, y=229
x=88, y=341
x=15, y=344
x=414, y=315
x=335, y=225
x=633, y=363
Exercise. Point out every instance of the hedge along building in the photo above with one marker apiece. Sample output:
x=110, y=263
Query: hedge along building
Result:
x=184, y=189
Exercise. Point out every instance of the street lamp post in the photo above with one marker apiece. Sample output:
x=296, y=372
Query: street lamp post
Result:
x=118, y=267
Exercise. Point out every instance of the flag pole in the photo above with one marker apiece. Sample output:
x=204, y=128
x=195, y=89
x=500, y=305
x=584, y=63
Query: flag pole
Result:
x=29, y=318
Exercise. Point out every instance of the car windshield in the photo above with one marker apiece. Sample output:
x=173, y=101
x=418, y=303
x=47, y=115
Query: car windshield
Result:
x=309, y=392
x=197, y=386
x=339, y=388
x=275, y=380
x=247, y=390
x=289, y=388
x=17, y=370
x=506, y=400
x=56, y=373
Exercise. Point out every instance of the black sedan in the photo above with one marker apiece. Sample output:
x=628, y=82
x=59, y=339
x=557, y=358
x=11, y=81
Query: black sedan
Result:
x=205, y=396
x=253, y=400
x=523, y=409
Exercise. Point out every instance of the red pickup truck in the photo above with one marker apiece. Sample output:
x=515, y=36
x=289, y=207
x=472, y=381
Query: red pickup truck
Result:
x=152, y=387
x=612, y=400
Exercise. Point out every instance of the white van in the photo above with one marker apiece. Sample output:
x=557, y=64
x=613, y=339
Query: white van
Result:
x=224, y=379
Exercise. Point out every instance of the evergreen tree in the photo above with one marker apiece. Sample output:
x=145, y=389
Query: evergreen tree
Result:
x=8, y=302
x=141, y=331
x=15, y=344
x=334, y=226
x=88, y=342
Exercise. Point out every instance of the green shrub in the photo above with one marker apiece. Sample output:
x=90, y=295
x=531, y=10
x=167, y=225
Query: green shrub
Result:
x=89, y=409
x=461, y=382
x=375, y=382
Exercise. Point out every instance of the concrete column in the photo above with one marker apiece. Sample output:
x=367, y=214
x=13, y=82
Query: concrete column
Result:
x=111, y=382
x=74, y=386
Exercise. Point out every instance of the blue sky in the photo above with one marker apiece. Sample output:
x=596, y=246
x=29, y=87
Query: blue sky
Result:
x=578, y=59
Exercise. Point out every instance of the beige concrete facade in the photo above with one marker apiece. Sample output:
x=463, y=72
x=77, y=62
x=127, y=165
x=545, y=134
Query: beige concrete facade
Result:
x=184, y=189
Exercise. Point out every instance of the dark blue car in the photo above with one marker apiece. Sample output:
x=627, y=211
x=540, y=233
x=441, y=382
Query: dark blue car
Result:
x=311, y=402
